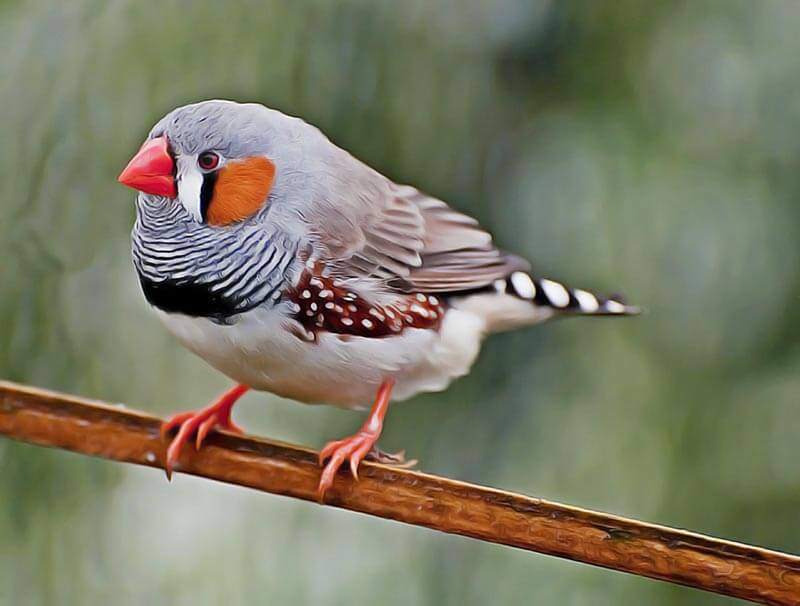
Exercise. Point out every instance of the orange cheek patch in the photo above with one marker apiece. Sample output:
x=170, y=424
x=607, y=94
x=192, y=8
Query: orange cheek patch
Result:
x=241, y=189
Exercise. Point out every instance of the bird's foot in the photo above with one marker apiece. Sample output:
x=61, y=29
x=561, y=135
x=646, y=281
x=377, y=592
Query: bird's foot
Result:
x=356, y=449
x=357, y=446
x=353, y=449
x=200, y=423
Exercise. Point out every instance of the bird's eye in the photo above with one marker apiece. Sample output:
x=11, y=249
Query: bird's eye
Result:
x=208, y=160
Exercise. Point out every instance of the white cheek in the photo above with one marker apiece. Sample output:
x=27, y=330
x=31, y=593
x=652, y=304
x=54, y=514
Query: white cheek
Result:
x=190, y=182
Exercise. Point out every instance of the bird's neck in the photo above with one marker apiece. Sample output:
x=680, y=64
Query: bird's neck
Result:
x=199, y=270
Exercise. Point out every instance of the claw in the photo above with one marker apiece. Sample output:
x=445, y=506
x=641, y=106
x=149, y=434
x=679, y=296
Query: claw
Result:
x=328, y=450
x=352, y=449
x=203, y=430
x=176, y=421
x=356, y=447
x=200, y=423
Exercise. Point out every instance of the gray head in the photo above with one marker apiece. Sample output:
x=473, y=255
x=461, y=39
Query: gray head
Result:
x=219, y=159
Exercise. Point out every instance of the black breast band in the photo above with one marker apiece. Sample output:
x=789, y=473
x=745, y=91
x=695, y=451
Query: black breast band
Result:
x=190, y=298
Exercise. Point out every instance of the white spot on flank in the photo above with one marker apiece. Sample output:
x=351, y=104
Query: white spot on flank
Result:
x=324, y=294
x=420, y=297
x=306, y=294
x=420, y=311
x=557, y=294
x=524, y=286
x=376, y=314
x=329, y=305
x=315, y=282
x=310, y=264
x=314, y=306
x=615, y=307
x=433, y=300
x=366, y=323
x=347, y=321
x=587, y=301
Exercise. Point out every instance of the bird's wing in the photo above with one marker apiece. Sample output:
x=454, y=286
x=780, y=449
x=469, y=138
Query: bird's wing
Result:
x=409, y=241
x=457, y=253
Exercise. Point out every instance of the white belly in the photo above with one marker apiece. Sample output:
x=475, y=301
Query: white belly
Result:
x=259, y=350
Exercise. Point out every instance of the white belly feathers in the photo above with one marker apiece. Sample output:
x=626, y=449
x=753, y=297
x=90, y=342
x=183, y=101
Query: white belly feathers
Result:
x=259, y=349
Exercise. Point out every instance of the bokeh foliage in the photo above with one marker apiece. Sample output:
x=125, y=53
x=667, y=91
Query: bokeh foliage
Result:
x=650, y=147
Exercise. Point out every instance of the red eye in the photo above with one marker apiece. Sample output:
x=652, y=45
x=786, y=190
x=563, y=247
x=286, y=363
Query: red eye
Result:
x=208, y=160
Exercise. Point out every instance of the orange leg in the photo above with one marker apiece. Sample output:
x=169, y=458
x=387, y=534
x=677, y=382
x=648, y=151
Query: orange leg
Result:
x=357, y=446
x=200, y=423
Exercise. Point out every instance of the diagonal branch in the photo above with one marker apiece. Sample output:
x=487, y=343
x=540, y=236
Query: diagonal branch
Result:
x=677, y=556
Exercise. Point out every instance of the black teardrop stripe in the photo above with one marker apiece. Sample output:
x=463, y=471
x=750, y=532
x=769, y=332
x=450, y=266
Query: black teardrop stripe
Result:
x=189, y=298
x=207, y=192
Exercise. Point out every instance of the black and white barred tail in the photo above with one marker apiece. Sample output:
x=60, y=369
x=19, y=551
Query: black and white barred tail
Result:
x=551, y=294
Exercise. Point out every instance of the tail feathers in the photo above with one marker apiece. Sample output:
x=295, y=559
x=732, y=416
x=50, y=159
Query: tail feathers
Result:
x=549, y=293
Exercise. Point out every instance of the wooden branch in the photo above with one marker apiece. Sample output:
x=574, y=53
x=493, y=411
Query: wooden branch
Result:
x=113, y=432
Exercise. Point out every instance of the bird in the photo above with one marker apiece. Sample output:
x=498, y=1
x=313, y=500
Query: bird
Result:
x=294, y=268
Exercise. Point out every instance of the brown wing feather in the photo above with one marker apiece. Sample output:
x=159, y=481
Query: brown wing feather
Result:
x=402, y=237
x=458, y=254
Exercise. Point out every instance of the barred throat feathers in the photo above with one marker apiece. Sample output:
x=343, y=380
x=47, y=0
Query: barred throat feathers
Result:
x=199, y=270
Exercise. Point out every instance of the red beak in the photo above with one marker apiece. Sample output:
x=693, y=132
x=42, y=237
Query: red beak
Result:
x=151, y=169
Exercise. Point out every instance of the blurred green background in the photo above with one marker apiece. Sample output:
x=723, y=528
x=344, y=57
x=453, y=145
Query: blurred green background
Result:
x=646, y=147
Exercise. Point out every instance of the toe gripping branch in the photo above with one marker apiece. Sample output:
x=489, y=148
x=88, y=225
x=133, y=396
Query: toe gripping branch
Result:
x=354, y=448
x=199, y=423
